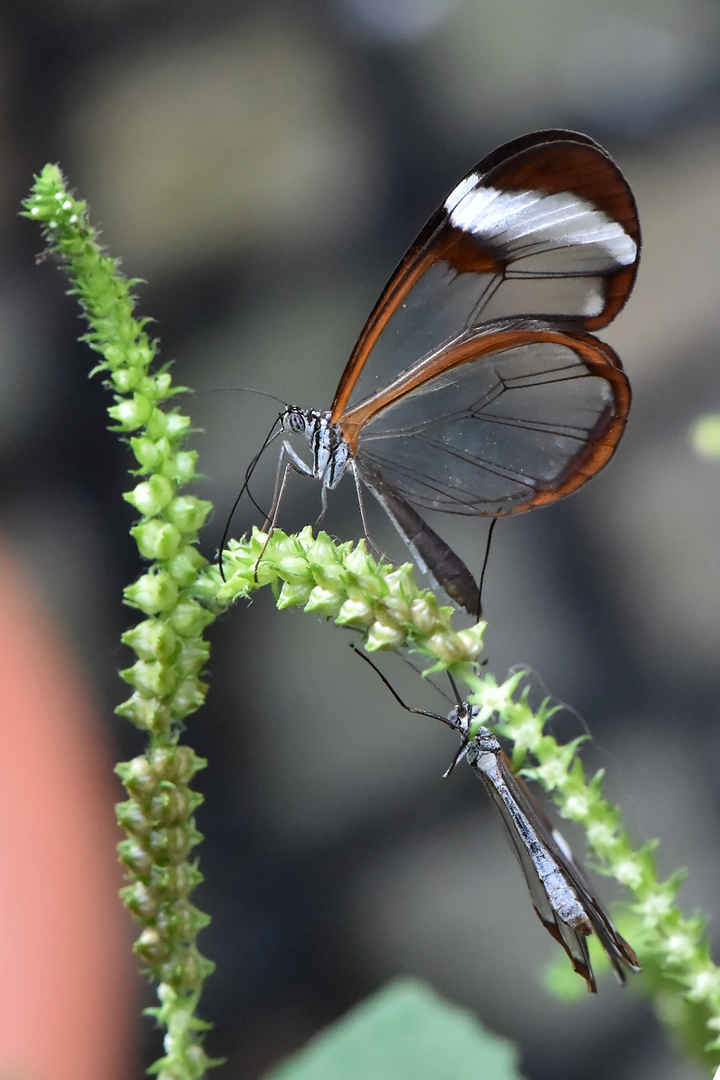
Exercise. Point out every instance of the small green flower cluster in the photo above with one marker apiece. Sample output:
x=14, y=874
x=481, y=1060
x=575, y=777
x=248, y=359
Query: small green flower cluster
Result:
x=161, y=834
x=343, y=582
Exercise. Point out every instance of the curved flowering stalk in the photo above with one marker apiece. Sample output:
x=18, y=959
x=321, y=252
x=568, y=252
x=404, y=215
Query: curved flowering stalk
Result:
x=344, y=582
x=178, y=596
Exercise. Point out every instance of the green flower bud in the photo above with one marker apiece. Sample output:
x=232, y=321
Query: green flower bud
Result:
x=237, y=561
x=324, y=601
x=133, y=819
x=293, y=595
x=293, y=568
x=355, y=613
x=141, y=901
x=189, y=618
x=629, y=873
x=322, y=554
x=152, y=639
x=131, y=413
x=148, y=714
x=125, y=380
x=169, y=845
x=397, y=607
x=156, y=539
x=185, y=565
x=262, y=573
x=188, y=697
x=173, y=843
x=140, y=355
x=151, y=678
x=361, y=570
x=259, y=539
x=172, y=424
x=175, y=881
x=187, y=512
x=150, y=453
x=172, y=804
x=151, y=496
x=192, y=657
x=151, y=947
x=327, y=573
x=153, y=592
x=138, y=776
x=400, y=582
x=134, y=856
x=450, y=647
x=183, y=921
x=163, y=383
x=189, y=971
x=384, y=634
x=181, y=468
x=423, y=612
x=176, y=763
x=359, y=562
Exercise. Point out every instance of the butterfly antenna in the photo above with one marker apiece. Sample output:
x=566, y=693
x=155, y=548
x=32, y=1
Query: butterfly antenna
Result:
x=456, y=692
x=272, y=434
x=241, y=389
x=248, y=474
x=491, y=530
x=393, y=691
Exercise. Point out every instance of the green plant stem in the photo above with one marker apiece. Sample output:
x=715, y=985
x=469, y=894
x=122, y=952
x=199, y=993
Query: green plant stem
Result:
x=158, y=817
x=178, y=596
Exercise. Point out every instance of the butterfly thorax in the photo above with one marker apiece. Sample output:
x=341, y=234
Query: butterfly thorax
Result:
x=330, y=451
x=462, y=716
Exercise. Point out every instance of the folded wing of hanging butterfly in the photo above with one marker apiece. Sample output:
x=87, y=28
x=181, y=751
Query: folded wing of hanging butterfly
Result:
x=560, y=894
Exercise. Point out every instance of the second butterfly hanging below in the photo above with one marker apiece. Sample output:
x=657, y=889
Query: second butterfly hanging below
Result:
x=476, y=386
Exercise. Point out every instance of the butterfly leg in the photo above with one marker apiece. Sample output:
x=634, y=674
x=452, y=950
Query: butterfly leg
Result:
x=361, y=505
x=323, y=506
x=295, y=464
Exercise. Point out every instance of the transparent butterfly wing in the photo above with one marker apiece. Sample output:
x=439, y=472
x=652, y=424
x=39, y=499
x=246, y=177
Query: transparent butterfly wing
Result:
x=545, y=227
x=525, y=416
x=549, y=869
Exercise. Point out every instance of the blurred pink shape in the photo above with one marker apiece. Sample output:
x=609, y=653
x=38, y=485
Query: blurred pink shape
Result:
x=67, y=991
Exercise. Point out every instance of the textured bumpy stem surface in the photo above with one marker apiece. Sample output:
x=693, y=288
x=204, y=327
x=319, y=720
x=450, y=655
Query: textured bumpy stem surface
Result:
x=158, y=815
x=178, y=597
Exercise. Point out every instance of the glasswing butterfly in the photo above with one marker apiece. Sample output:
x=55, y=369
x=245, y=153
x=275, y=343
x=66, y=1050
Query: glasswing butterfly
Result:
x=558, y=889
x=560, y=894
x=476, y=386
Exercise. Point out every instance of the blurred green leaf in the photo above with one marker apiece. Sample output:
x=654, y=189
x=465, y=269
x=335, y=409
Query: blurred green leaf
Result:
x=404, y=1032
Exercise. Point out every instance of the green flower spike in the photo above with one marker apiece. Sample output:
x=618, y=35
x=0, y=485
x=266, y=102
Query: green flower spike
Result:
x=158, y=817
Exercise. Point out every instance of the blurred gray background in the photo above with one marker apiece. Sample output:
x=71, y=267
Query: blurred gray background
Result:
x=263, y=167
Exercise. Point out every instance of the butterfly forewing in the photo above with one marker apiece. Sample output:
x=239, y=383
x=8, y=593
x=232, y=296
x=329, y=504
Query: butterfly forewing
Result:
x=545, y=227
x=596, y=213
